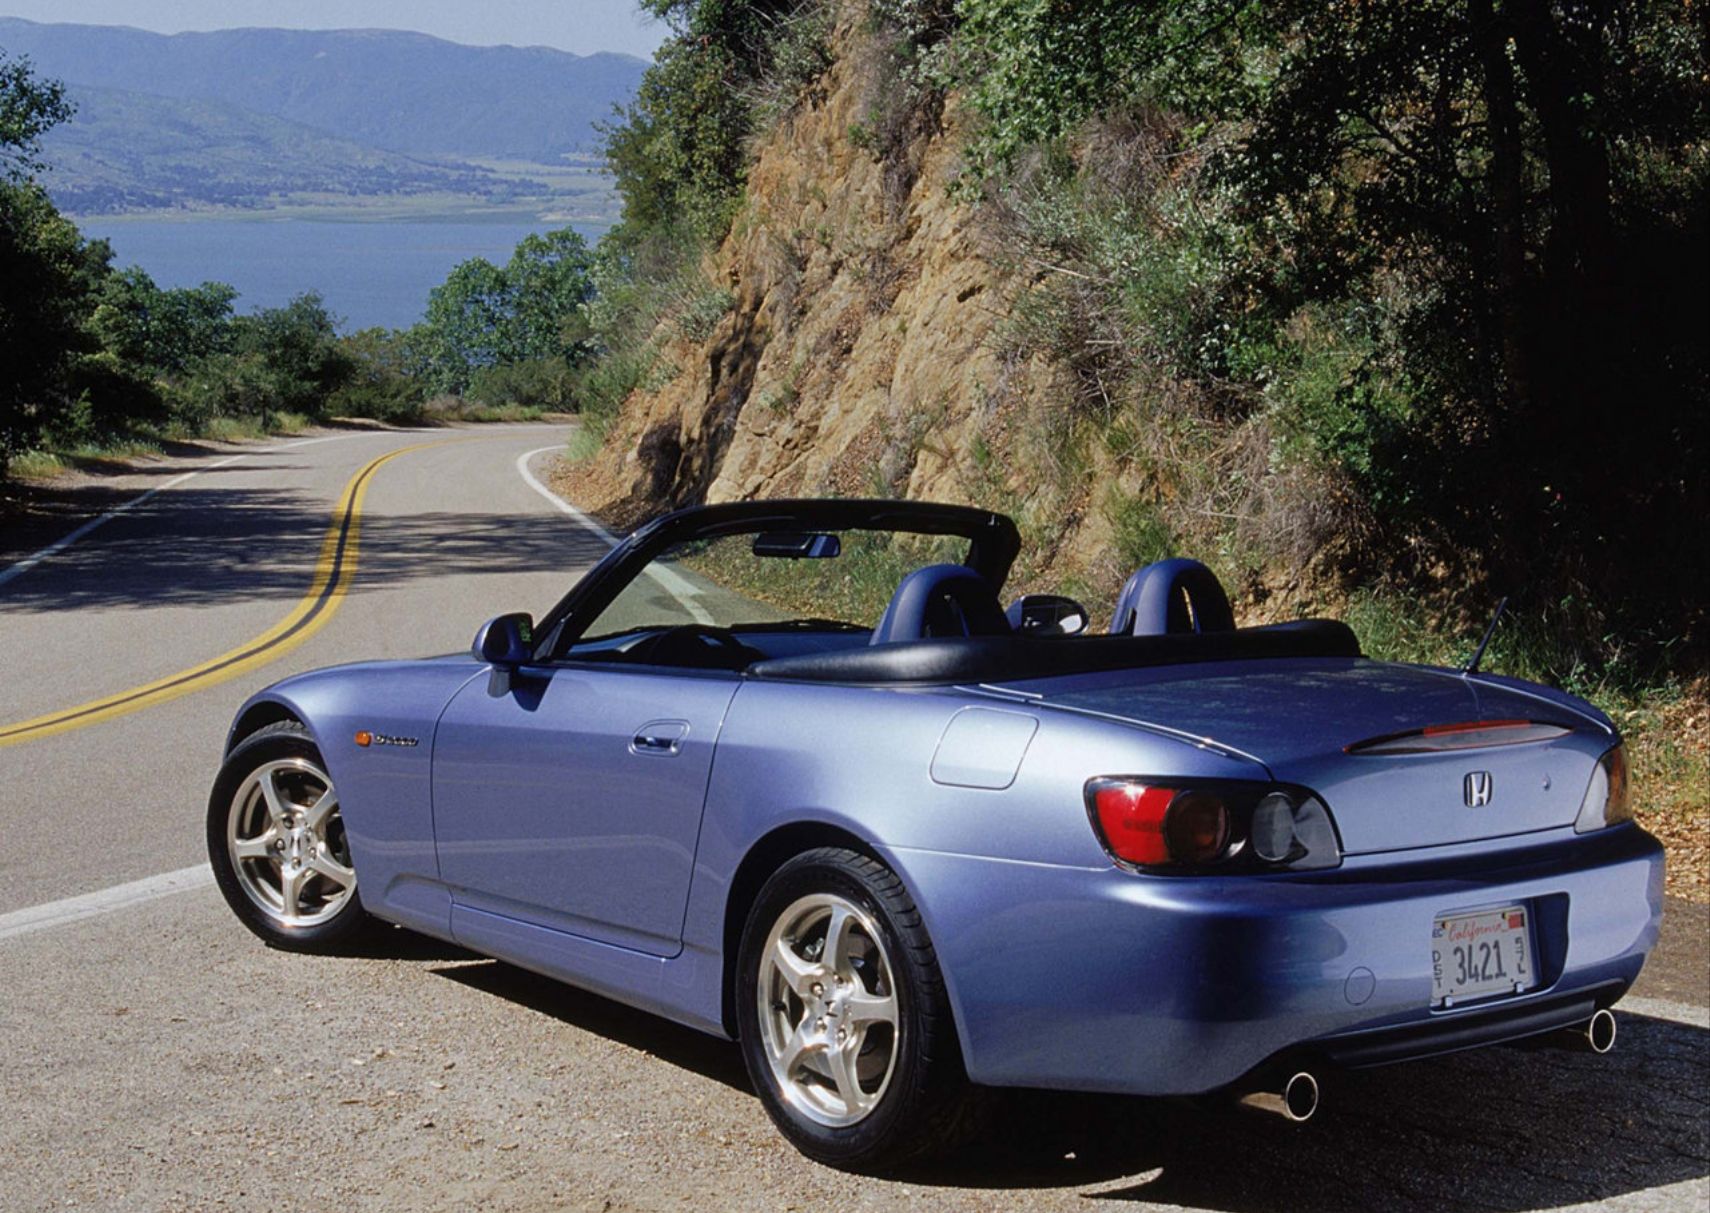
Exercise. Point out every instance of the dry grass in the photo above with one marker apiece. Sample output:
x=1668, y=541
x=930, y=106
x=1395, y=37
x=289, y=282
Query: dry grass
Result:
x=1668, y=744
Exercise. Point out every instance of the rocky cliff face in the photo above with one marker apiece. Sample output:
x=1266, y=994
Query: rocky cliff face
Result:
x=862, y=355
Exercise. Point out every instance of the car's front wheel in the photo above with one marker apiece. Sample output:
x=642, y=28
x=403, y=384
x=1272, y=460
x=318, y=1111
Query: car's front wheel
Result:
x=844, y=1022
x=277, y=842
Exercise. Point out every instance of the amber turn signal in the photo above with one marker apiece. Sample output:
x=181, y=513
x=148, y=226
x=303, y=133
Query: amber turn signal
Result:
x=365, y=738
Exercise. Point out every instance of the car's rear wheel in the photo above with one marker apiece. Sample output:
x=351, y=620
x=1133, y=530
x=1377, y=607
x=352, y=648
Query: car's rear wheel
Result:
x=277, y=842
x=844, y=1022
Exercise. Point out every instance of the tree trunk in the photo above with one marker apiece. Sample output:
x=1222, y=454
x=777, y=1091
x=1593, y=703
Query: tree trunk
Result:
x=1507, y=157
x=1563, y=62
x=1583, y=341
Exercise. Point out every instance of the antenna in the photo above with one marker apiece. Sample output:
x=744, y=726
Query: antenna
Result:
x=1478, y=653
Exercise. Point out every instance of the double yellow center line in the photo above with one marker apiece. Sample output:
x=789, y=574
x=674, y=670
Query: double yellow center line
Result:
x=335, y=568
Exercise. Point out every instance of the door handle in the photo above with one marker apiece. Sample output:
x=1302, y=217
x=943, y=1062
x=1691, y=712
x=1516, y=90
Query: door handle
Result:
x=659, y=738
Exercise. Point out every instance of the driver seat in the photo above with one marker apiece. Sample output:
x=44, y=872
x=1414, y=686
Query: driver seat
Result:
x=940, y=601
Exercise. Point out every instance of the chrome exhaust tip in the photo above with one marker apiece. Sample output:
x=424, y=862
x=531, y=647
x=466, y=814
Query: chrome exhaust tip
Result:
x=1594, y=1035
x=1300, y=1097
x=1600, y=1031
x=1296, y=1101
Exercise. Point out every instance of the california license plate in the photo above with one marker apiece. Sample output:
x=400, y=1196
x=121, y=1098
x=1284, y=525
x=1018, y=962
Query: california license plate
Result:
x=1480, y=955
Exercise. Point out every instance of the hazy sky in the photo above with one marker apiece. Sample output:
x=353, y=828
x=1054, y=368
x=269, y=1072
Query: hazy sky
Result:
x=582, y=26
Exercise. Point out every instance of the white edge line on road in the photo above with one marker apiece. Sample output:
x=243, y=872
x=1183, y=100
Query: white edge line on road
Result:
x=53, y=549
x=105, y=901
x=679, y=588
x=563, y=506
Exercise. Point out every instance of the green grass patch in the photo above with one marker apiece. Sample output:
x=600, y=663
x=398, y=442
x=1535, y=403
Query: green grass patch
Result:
x=1142, y=534
x=584, y=443
x=234, y=429
x=36, y=465
x=500, y=413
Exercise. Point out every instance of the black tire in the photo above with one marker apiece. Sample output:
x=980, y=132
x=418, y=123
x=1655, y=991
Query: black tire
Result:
x=925, y=1106
x=335, y=917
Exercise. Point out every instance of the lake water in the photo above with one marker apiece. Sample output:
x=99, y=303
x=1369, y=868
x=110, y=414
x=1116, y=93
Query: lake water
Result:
x=374, y=273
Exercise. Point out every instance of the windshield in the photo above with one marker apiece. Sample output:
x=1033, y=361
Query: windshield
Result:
x=754, y=581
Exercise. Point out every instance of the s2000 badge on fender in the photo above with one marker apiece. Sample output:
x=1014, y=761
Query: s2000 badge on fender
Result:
x=366, y=739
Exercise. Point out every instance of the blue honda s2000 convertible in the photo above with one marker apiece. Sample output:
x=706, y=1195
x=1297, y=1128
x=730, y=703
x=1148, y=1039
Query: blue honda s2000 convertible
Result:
x=898, y=849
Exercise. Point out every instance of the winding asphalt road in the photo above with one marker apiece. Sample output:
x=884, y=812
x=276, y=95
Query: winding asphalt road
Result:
x=158, y=1057
x=447, y=534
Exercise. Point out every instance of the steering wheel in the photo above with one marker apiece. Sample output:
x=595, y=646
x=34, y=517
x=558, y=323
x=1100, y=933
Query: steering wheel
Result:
x=697, y=645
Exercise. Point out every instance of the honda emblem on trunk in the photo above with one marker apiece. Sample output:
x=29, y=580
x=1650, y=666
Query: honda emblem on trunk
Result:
x=1476, y=789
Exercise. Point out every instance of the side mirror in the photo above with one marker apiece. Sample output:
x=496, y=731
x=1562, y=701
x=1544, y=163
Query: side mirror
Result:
x=1047, y=615
x=507, y=641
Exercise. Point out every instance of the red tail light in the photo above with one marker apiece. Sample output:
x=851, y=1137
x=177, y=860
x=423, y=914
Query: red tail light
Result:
x=1197, y=825
x=1130, y=819
x=1152, y=826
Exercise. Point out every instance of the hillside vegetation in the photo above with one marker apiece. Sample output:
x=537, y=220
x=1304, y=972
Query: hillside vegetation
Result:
x=1382, y=297
x=1382, y=310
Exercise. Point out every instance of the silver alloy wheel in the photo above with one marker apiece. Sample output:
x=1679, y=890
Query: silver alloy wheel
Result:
x=287, y=843
x=828, y=1010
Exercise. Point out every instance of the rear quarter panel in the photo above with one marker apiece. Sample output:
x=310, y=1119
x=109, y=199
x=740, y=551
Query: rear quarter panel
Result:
x=862, y=760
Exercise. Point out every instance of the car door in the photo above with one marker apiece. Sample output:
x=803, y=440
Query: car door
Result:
x=570, y=796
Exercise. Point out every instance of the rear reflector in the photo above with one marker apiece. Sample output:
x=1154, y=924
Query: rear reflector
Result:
x=1466, y=735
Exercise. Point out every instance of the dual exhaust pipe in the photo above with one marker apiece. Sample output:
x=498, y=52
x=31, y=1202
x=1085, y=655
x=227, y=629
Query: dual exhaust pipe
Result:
x=1298, y=1098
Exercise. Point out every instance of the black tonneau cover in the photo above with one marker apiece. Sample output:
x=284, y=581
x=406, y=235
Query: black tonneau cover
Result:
x=1011, y=658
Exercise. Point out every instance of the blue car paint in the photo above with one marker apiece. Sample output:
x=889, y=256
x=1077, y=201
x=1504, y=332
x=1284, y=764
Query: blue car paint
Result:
x=548, y=807
x=1047, y=949
x=1297, y=715
x=1103, y=981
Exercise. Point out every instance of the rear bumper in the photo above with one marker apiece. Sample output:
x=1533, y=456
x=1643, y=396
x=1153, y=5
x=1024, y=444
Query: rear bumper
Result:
x=1450, y=1034
x=1103, y=980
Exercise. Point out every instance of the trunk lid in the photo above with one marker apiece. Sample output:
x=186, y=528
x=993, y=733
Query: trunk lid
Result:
x=1298, y=715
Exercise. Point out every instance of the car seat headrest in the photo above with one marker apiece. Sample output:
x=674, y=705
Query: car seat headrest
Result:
x=941, y=600
x=1172, y=596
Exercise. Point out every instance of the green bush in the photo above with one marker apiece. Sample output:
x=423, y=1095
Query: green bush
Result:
x=386, y=382
x=115, y=397
x=1455, y=266
x=540, y=383
x=602, y=387
x=485, y=316
x=48, y=279
x=799, y=53
x=161, y=332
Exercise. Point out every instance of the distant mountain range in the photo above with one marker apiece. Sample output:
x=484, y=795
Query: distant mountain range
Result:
x=128, y=151
x=241, y=117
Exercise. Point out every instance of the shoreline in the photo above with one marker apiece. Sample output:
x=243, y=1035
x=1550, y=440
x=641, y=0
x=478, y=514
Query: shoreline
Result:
x=383, y=213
